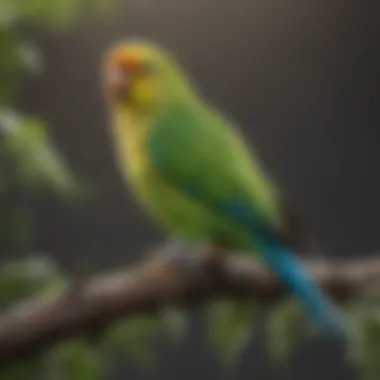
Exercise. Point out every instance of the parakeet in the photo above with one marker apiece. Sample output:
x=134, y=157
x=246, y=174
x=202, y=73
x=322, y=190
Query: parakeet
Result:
x=192, y=169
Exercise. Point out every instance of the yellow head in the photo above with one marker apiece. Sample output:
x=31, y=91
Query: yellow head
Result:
x=139, y=75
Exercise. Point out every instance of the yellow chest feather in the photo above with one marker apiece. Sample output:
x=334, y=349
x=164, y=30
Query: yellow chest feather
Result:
x=130, y=135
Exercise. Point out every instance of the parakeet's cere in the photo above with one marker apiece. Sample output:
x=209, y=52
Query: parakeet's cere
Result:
x=192, y=170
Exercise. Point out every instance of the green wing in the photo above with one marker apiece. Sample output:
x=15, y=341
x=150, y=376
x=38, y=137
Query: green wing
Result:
x=203, y=156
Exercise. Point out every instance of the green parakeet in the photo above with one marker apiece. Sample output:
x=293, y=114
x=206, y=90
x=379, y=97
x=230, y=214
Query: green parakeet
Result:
x=192, y=170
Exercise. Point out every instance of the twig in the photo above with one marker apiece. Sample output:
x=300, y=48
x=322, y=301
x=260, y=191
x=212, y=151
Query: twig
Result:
x=152, y=285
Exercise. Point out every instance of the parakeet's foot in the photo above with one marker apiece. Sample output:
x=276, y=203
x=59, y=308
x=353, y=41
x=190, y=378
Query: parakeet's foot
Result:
x=198, y=261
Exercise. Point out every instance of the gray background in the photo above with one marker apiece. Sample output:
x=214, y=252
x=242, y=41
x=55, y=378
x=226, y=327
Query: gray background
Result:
x=301, y=77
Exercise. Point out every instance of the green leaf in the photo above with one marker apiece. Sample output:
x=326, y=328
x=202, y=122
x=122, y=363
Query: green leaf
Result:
x=9, y=121
x=56, y=14
x=176, y=323
x=8, y=13
x=287, y=323
x=356, y=347
x=75, y=360
x=363, y=347
x=62, y=13
x=370, y=364
x=230, y=327
x=30, y=57
x=23, y=279
x=38, y=164
x=136, y=337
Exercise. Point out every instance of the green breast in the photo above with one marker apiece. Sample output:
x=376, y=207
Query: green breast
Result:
x=167, y=205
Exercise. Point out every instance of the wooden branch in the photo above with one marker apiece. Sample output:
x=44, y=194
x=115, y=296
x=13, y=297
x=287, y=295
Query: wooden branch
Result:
x=156, y=283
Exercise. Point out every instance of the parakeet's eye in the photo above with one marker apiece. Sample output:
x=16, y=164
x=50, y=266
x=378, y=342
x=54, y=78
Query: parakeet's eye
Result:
x=146, y=69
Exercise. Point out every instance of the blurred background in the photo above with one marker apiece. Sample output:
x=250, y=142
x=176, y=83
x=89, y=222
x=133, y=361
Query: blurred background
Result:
x=300, y=77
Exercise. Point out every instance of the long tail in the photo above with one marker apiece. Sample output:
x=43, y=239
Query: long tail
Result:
x=282, y=262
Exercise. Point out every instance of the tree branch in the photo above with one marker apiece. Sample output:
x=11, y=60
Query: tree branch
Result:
x=147, y=287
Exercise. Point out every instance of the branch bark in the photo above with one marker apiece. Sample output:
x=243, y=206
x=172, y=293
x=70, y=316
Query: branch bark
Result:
x=147, y=287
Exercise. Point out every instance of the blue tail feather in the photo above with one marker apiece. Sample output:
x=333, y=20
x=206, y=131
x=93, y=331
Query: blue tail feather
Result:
x=287, y=268
x=282, y=262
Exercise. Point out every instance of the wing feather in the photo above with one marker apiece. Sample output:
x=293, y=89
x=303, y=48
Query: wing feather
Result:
x=207, y=160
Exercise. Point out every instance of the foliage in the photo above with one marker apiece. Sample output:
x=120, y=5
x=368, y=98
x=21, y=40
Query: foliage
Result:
x=230, y=327
x=50, y=13
x=30, y=165
x=84, y=358
x=287, y=324
x=29, y=162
